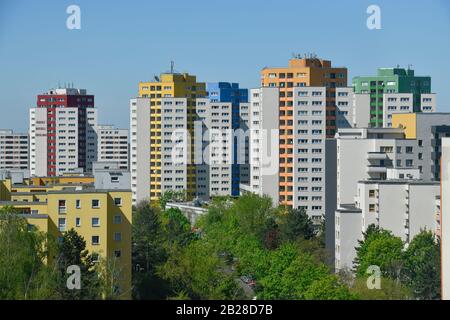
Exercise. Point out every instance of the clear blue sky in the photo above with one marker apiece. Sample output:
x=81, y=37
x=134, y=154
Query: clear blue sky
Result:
x=123, y=42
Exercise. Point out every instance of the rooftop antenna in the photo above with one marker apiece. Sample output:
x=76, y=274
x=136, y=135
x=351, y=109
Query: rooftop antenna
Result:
x=172, y=65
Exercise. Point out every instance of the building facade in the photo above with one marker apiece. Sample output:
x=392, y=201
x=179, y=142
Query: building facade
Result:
x=14, y=150
x=140, y=149
x=300, y=73
x=62, y=133
x=169, y=85
x=391, y=80
x=445, y=218
x=113, y=145
x=404, y=207
x=427, y=129
x=225, y=92
x=102, y=217
x=352, y=109
x=404, y=103
x=264, y=143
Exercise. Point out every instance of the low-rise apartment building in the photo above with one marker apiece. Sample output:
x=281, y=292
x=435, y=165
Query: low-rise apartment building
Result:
x=101, y=216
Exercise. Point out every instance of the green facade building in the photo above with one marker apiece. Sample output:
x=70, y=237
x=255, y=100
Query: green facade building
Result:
x=390, y=80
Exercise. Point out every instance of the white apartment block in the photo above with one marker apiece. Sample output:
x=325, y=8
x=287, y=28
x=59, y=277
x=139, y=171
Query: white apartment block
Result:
x=176, y=152
x=13, y=150
x=404, y=207
x=367, y=153
x=140, y=149
x=66, y=143
x=429, y=129
x=309, y=150
x=404, y=103
x=263, y=122
x=445, y=218
x=113, y=145
x=214, y=173
x=352, y=109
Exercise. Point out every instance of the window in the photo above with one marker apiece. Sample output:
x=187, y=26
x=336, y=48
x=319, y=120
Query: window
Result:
x=62, y=224
x=117, y=219
x=371, y=208
x=78, y=222
x=95, y=204
x=118, y=201
x=95, y=240
x=62, y=206
x=78, y=204
x=117, y=236
x=117, y=253
x=372, y=193
x=96, y=222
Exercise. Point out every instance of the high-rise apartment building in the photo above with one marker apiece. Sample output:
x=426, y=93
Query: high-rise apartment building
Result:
x=62, y=132
x=352, y=109
x=168, y=85
x=427, y=129
x=140, y=149
x=113, y=145
x=264, y=143
x=445, y=218
x=404, y=103
x=221, y=147
x=13, y=150
x=224, y=92
x=301, y=74
x=391, y=80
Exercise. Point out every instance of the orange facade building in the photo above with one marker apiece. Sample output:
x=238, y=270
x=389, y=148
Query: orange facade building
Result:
x=301, y=72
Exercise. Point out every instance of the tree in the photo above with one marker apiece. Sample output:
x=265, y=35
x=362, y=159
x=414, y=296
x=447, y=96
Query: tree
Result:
x=390, y=290
x=72, y=251
x=23, y=251
x=197, y=273
x=296, y=224
x=380, y=248
x=147, y=253
x=109, y=275
x=176, y=227
x=328, y=288
x=422, y=266
x=295, y=275
x=172, y=195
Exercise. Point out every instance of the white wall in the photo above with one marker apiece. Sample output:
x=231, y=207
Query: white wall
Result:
x=445, y=219
x=140, y=148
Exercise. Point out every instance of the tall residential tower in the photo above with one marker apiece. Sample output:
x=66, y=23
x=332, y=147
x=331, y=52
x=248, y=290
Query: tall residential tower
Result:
x=63, y=134
x=391, y=81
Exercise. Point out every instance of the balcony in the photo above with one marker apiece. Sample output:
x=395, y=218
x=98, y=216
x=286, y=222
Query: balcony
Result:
x=376, y=156
x=62, y=210
x=376, y=169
